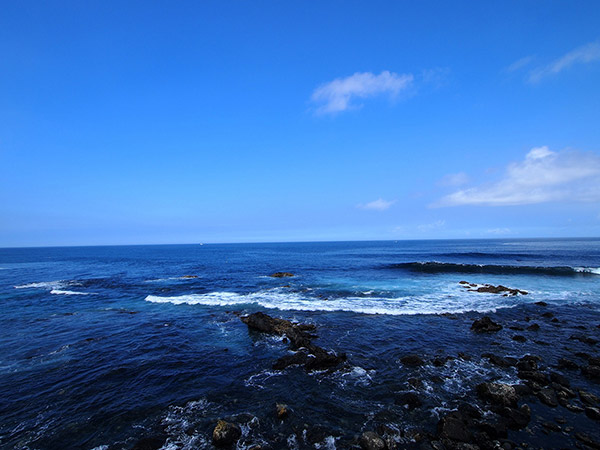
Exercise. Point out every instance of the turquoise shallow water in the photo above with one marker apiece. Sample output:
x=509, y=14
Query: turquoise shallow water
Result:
x=102, y=346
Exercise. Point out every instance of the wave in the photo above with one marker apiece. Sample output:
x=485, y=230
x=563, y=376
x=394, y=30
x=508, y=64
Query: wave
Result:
x=440, y=267
x=44, y=285
x=445, y=302
x=62, y=292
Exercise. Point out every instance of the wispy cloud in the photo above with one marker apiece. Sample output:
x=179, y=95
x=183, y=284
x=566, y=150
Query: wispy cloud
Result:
x=498, y=231
x=519, y=64
x=454, y=179
x=582, y=55
x=543, y=176
x=377, y=205
x=338, y=95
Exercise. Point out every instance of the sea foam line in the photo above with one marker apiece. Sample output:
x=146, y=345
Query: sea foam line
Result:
x=277, y=299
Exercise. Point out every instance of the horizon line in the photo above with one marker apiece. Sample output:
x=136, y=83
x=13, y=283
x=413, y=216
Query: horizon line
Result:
x=301, y=242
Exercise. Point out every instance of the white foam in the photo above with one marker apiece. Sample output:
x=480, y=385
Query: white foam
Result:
x=594, y=270
x=62, y=292
x=443, y=302
x=44, y=285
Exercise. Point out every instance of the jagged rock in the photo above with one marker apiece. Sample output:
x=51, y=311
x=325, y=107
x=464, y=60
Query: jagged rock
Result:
x=564, y=363
x=503, y=394
x=560, y=379
x=517, y=417
x=587, y=440
x=311, y=356
x=591, y=372
x=281, y=275
x=412, y=360
x=371, y=441
x=491, y=289
x=282, y=411
x=409, y=400
x=485, y=325
x=548, y=397
x=452, y=426
x=528, y=363
x=593, y=413
x=588, y=398
x=533, y=375
x=551, y=426
x=226, y=434
x=296, y=333
x=499, y=360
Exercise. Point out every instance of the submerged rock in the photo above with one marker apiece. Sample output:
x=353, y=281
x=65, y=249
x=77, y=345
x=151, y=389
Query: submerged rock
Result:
x=226, y=434
x=500, y=393
x=412, y=360
x=149, y=443
x=485, y=325
x=281, y=275
x=409, y=400
x=371, y=441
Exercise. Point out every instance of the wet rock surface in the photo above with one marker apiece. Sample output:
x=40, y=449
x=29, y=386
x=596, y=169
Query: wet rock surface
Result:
x=307, y=354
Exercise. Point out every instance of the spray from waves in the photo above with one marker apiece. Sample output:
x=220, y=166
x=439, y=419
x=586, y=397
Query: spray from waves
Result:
x=63, y=292
x=441, y=267
x=279, y=299
x=45, y=285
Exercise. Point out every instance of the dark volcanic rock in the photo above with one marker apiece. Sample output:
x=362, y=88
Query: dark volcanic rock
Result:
x=587, y=440
x=311, y=356
x=281, y=275
x=519, y=338
x=499, y=360
x=491, y=289
x=409, y=400
x=452, y=426
x=588, y=398
x=226, y=434
x=517, y=417
x=533, y=327
x=541, y=303
x=548, y=397
x=503, y=394
x=591, y=372
x=296, y=333
x=593, y=413
x=485, y=325
x=564, y=363
x=371, y=441
x=412, y=360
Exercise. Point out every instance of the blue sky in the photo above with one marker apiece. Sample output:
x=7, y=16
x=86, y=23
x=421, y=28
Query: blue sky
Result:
x=178, y=122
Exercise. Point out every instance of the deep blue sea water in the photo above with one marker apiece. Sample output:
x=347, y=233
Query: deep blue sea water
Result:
x=103, y=346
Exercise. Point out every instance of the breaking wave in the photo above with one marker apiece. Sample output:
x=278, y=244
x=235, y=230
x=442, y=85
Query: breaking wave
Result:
x=441, y=303
x=441, y=267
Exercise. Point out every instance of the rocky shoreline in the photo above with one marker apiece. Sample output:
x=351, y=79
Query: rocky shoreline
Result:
x=551, y=400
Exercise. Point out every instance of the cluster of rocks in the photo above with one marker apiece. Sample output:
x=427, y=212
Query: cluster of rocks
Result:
x=491, y=289
x=281, y=275
x=306, y=354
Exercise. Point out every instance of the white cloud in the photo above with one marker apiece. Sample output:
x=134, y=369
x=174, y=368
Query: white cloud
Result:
x=337, y=95
x=454, y=179
x=377, y=205
x=585, y=54
x=519, y=64
x=543, y=176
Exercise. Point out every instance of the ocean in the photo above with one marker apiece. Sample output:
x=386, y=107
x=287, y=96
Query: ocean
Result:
x=118, y=347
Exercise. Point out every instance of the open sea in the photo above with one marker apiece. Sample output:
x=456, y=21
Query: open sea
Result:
x=122, y=346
